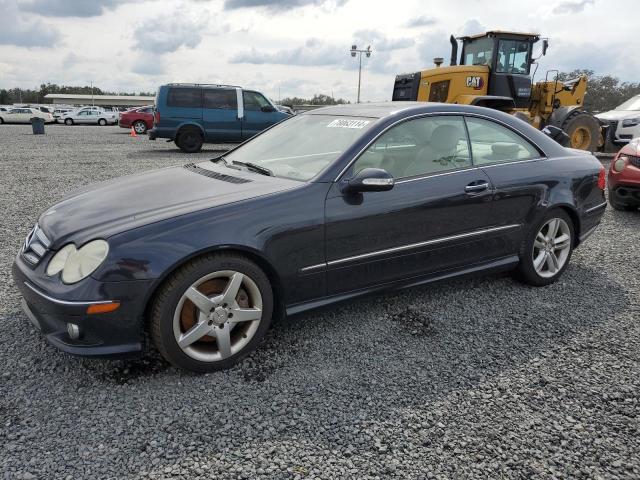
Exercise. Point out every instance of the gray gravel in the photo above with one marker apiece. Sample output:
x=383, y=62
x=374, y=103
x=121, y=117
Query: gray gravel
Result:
x=481, y=378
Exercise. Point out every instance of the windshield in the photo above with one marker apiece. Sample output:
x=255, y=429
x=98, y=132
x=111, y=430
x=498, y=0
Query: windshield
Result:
x=300, y=147
x=478, y=52
x=513, y=56
x=632, y=104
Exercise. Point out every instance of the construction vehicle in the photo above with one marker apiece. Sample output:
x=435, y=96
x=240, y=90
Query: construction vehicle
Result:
x=495, y=71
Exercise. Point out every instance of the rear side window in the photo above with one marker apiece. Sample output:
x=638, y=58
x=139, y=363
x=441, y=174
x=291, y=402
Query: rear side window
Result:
x=220, y=98
x=493, y=143
x=184, y=97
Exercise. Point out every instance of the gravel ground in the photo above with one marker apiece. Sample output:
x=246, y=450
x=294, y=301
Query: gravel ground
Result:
x=481, y=377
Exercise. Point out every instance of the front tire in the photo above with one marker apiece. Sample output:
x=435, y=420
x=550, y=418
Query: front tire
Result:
x=68, y=121
x=102, y=122
x=212, y=312
x=547, y=249
x=583, y=130
x=189, y=140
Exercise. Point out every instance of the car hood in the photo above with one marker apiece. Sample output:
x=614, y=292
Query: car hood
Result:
x=618, y=114
x=105, y=209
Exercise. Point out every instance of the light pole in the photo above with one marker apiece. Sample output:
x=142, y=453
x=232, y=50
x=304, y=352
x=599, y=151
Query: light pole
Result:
x=354, y=50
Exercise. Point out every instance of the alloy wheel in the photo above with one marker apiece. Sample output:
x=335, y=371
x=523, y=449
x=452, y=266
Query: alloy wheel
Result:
x=139, y=127
x=551, y=247
x=217, y=316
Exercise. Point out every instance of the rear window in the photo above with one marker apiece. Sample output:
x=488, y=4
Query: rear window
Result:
x=184, y=97
x=220, y=98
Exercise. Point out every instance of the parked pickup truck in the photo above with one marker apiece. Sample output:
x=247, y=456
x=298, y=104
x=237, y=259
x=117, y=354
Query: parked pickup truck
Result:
x=192, y=114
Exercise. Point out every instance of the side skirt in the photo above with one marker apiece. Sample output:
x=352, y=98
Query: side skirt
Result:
x=501, y=264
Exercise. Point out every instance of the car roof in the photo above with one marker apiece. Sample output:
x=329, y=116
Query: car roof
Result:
x=385, y=109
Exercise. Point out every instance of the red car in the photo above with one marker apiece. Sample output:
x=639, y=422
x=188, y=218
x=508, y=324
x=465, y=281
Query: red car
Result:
x=624, y=178
x=141, y=119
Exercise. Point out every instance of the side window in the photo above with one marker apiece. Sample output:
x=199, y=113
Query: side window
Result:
x=419, y=147
x=184, y=97
x=493, y=143
x=219, y=98
x=254, y=101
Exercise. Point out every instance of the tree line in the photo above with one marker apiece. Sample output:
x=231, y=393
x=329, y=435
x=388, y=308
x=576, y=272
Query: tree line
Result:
x=604, y=92
x=28, y=95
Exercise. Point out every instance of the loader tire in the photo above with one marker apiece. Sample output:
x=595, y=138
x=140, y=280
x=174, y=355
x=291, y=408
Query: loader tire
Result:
x=583, y=130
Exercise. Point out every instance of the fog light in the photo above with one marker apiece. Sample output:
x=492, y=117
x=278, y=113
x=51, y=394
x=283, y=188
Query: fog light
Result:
x=73, y=330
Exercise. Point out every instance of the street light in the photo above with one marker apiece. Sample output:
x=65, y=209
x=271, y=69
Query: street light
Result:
x=354, y=51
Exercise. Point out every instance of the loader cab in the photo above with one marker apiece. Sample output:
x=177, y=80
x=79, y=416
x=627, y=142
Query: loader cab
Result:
x=508, y=56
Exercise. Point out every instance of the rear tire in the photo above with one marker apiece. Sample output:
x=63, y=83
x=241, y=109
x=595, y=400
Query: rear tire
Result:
x=1, y=120
x=583, y=130
x=228, y=322
x=68, y=121
x=140, y=127
x=546, y=250
x=189, y=140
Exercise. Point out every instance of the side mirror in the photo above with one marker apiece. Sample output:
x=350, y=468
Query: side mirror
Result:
x=557, y=134
x=268, y=109
x=369, y=180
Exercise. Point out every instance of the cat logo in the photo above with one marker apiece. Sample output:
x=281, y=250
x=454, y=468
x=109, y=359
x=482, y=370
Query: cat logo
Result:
x=475, y=82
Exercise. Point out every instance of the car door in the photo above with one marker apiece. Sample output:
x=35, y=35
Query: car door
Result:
x=516, y=168
x=220, y=115
x=435, y=217
x=258, y=114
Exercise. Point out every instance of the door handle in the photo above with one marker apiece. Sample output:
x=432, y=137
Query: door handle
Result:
x=476, y=187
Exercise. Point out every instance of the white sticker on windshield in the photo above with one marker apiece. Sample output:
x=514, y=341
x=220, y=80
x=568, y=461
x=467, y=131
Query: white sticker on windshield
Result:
x=344, y=123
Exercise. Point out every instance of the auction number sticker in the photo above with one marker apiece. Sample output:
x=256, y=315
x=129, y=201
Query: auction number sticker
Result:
x=344, y=123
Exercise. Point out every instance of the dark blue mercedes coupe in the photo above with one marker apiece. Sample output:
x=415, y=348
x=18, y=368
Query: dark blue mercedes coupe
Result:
x=325, y=206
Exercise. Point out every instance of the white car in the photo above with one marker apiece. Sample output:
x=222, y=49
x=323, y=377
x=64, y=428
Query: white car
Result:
x=58, y=112
x=89, y=115
x=24, y=115
x=624, y=121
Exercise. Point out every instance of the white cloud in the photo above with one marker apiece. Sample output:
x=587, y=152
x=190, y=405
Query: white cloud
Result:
x=297, y=47
x=69, y=8
x=167, y=33
x=21, y=30
x=571, y=6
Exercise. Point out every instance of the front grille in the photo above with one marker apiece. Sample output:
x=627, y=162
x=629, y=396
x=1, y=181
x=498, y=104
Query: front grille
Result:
x=633, y=160
x=35, y=246
x=218, y=176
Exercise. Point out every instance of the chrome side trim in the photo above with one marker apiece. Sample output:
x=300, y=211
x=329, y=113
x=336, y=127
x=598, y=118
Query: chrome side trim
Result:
x=589, y=210
x=68, y=303
x=431, y=114
x=408, y=247
x=313, y=267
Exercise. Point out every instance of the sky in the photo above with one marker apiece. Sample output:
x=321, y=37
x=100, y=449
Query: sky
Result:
x=291, y=47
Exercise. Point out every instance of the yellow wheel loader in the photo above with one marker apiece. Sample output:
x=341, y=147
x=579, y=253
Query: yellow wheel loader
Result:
x=495, y=71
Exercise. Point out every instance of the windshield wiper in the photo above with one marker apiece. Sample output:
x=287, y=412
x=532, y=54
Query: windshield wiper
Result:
x=223, y=160
x=256, y=168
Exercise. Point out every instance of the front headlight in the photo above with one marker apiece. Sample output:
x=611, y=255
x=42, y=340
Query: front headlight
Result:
x=631, y=122
x=78, y=264
x=619, y=164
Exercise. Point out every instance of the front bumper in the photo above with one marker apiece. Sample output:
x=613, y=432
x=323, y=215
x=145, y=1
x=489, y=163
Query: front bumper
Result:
x=114, y=334
x=626, y=194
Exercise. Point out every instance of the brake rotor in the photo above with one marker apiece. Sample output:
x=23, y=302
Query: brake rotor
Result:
x=210, y=288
